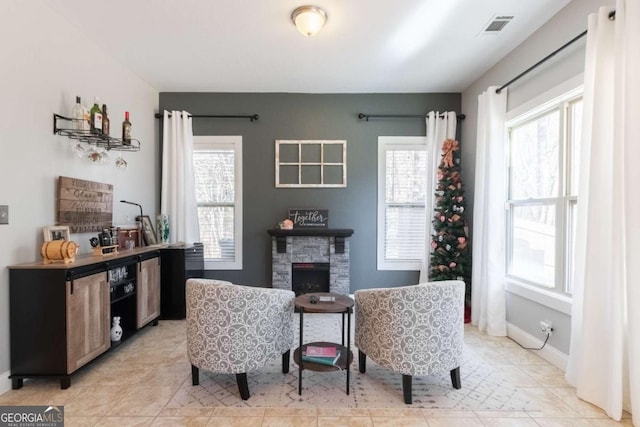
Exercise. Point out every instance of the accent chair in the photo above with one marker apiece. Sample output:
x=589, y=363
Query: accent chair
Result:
x=234, y=329
x=413, y=330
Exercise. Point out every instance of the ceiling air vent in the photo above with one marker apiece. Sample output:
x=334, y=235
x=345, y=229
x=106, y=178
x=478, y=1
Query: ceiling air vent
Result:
x=496, y=24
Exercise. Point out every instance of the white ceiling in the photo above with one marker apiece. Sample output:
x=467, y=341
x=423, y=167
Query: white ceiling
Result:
x=252, y=45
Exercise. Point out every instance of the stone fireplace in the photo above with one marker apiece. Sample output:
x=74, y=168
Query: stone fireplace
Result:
x=293, y=251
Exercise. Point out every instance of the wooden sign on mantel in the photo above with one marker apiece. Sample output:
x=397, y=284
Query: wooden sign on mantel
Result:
x=303, y=218
x=85, y=206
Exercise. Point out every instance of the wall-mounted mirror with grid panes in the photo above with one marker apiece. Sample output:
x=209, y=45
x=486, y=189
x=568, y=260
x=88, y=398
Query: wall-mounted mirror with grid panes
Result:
x=311, y=163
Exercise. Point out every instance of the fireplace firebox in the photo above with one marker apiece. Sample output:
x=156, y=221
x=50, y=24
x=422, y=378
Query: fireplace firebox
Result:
x=307, y=277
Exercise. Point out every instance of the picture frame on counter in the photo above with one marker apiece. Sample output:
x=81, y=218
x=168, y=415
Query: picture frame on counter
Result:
x=148, y=233
x=56, y=232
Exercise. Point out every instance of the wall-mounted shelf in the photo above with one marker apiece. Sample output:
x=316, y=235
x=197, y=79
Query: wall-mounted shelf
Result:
x=106, y=142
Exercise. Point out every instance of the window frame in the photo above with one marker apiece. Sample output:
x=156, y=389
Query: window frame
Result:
x=319, y=162
x=233, y=142
x=560, y=98
x=386, y=143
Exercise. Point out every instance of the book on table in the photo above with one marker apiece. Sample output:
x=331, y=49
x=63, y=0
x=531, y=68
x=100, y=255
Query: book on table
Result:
x=317, y=351
x=329, y=355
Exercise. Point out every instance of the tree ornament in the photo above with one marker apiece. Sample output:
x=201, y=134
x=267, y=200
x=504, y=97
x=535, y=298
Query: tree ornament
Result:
x=448, y=147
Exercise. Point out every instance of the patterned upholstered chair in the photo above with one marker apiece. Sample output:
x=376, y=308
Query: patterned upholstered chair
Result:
x=234, y=329
x=412, y=330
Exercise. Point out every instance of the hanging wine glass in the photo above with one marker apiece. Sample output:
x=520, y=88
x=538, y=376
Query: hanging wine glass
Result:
x=93, y=155
x=80, y=149
x=104, y=157
x=120, y=162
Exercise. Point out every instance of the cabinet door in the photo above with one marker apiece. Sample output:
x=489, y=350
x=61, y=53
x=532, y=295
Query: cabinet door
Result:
x=148, y=291
x=88, y=326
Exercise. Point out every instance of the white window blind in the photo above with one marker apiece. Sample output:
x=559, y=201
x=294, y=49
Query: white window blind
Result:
x=217, y=165
x=401, y=202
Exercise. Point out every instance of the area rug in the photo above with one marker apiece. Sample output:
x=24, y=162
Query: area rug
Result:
x=483, y=388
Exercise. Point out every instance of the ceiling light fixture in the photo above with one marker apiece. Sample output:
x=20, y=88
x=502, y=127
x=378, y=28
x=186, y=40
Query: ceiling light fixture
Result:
x=309, y=20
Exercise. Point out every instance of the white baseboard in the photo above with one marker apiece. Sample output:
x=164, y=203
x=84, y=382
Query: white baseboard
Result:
x=548, y=353
x=5, y=382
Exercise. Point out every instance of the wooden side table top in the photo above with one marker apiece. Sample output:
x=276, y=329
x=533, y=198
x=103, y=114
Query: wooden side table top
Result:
x=342, y=304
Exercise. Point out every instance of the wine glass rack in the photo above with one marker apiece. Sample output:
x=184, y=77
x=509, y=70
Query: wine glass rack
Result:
x=104, y=141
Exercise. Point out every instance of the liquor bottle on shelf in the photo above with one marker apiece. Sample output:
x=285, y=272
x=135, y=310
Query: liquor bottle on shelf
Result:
x=126, y=129
x=86, y=124
x=105, y=121
x=77, y=114
x=96, y=118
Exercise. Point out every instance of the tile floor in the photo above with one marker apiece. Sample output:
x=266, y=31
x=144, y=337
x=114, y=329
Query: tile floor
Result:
x=134, y=385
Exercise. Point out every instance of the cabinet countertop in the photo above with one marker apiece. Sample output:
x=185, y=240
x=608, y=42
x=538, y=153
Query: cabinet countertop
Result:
x=88, y=259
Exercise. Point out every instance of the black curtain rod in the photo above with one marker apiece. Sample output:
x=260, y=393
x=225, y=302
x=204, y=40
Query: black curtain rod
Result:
x=612, y=15
x=206, y=116
x=401, y=116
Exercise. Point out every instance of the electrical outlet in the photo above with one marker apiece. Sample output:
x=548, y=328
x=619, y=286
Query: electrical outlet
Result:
x=546, y=327
x=4, y=214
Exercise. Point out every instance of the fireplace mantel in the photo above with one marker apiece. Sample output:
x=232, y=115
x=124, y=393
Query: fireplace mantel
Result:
x=310, y=231
x=339, y=234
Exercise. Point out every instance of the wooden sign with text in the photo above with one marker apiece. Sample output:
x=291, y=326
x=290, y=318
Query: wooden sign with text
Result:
x=301, y=218
x=85, y=206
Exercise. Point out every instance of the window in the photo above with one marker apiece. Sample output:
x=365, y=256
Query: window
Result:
x=217, y=162
x=402, y=187
x=311, y=163
x=543, y=155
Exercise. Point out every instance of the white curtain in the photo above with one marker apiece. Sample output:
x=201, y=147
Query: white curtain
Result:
x=488, y=310
x=439, y=128
x=604, y=360
x=178, y=180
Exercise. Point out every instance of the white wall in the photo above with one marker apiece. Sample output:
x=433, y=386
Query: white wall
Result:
x=565, y=25
x=45, y=64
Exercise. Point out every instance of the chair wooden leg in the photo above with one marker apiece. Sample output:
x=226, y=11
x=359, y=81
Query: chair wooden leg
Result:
x=362, y=362
x=195, y=375
x=285, y=361
x=406, y=388
x=243, y=386
x=455, y=378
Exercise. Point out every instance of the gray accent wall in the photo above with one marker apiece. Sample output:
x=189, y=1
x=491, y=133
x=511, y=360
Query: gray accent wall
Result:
x=565, y=25
x=310, y=116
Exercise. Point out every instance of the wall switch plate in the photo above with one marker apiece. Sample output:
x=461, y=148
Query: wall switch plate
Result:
x=4, y=214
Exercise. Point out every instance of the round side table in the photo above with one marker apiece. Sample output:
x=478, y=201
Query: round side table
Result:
x=343, y=305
